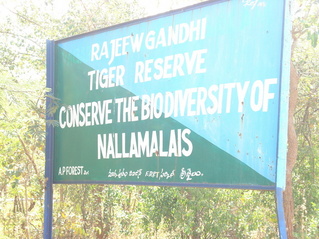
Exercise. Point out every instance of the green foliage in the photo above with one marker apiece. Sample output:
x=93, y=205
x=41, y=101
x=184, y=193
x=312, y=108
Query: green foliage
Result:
x=306, y=21
x=162, y=212
x=24, y=28
x=306, y=58
x=108, y=211
x=21, y=156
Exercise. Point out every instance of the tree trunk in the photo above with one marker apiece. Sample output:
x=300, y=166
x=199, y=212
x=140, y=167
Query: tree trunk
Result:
x=292, y=152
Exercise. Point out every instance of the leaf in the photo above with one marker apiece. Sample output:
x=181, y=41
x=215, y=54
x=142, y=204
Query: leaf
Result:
x=313, y=37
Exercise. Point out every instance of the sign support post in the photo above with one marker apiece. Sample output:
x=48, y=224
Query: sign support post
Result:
x=48, y=200
x=281, y=214
x=283, y=122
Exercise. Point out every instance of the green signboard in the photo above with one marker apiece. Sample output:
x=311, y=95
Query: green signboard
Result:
x=189, y=97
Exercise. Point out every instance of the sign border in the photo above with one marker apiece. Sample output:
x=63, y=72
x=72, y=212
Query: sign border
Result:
x=283, y=105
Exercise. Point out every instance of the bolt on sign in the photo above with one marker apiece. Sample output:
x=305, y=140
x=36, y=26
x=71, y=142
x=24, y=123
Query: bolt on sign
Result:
x=186, y=98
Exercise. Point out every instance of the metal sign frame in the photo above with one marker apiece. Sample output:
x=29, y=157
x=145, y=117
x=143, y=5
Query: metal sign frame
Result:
x=283, y=98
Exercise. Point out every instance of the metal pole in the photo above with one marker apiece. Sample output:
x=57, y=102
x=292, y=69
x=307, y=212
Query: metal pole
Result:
x=283, y=122
x=48, y=199
x=281, y=213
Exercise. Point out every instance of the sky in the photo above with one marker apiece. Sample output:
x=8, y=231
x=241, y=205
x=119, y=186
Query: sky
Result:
x=152, y=7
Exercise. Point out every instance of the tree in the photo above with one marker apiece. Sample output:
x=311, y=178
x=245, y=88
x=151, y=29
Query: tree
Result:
x=100, y=211
x=24, y=28
x=305, y=59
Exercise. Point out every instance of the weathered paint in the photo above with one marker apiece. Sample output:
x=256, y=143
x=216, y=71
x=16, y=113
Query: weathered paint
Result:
x=225, y=80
